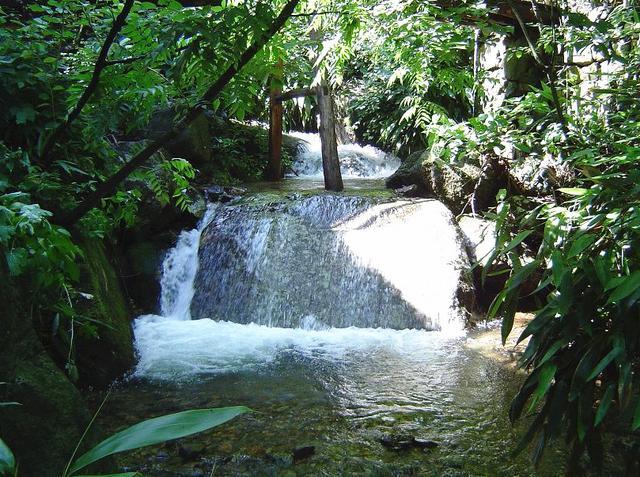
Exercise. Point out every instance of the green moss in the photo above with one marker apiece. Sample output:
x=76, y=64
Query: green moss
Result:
x=44, y=429
x=105, y=351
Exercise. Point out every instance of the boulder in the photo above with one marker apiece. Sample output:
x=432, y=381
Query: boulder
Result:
x=193, y=143
x=44, y=429
x=460, y=187
x=414, y=170
x=105, y=352
x=480, y=235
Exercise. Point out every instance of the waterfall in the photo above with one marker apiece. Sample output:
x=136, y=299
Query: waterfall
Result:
x=356, y=161
x=345, y=261
x=320, y=272
x=179, y=270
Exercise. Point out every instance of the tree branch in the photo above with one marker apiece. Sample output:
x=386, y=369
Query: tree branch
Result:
x=314, y=13
x=101, y=64
x=296, y=93
x=109, y=186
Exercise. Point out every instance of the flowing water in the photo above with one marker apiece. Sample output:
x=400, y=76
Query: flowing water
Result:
x=338, y=318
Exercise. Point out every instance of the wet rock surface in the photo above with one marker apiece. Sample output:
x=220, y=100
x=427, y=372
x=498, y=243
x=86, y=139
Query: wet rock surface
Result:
x=334, y=260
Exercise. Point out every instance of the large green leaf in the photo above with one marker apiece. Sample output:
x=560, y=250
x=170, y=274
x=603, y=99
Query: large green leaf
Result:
x=156, y=430
x=125, y=474
x=7, y=460
x=625, y=288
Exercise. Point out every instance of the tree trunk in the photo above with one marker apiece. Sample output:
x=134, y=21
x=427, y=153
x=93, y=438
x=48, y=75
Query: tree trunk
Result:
x=273, y=172
x=330, y=162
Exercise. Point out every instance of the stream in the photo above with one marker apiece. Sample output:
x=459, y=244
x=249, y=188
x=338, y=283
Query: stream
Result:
x=338, y=319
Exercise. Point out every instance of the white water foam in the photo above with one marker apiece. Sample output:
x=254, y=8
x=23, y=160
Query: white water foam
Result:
x=356, y=161
x=179, y=350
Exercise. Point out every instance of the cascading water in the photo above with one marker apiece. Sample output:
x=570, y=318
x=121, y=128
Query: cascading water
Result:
x=179, y=270
x=345, y=261
x=355, y=161
x=311, y=262
x=313, y=309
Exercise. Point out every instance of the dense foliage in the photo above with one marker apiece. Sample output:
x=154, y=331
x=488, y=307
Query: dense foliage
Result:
x=70, y=99
x=581, y=231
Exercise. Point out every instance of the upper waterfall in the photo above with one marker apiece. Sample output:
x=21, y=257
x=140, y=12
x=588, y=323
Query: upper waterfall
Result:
x=356, y=161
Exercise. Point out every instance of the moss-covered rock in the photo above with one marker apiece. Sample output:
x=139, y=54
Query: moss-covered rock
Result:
x=414, y=170
x=44, y=429
x=460, y=187
x=105, y=352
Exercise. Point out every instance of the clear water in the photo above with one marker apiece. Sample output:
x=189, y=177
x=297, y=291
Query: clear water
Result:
x=313, y=309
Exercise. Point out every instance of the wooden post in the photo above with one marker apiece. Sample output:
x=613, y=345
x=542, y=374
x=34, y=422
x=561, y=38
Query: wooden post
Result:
x=327, y=129
x=273, y=171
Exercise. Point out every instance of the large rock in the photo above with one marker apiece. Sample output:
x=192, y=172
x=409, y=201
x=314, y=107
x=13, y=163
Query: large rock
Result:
x=414, y=170
x=193, y=143
x=106, y=352
x=480, y=236
x=44, y=429
x=463, y=187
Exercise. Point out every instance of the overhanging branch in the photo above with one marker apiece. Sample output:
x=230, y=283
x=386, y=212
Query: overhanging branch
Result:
x=109, y=186
x=101, y=64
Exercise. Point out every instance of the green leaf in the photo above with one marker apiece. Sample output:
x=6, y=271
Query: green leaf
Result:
x=7, y=460
x=521, y=274
x=553, y=349
x=156, y=430
x=576, y=191
x=581, y=244
x=547, y=372
x=517, y=240
x=636, y=417
x=626, y=288
x=605, y=403
x=617, y=350
x=584, y=368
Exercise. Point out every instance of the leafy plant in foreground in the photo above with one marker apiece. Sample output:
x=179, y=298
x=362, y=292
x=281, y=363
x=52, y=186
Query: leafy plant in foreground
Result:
x=145, y=433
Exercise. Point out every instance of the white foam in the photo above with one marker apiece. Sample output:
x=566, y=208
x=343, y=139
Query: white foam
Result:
x=180, y=350
x=356, y=161
x=179, y=270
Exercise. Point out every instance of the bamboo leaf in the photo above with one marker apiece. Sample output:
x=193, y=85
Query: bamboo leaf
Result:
x=605, y=403
x=156, y=430
x=575, y=191
x=625, y=288
x=617, y=350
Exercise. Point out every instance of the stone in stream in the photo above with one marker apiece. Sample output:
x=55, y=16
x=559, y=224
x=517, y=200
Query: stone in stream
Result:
x=403, y=442
x=216, y=193
x=304, y=452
